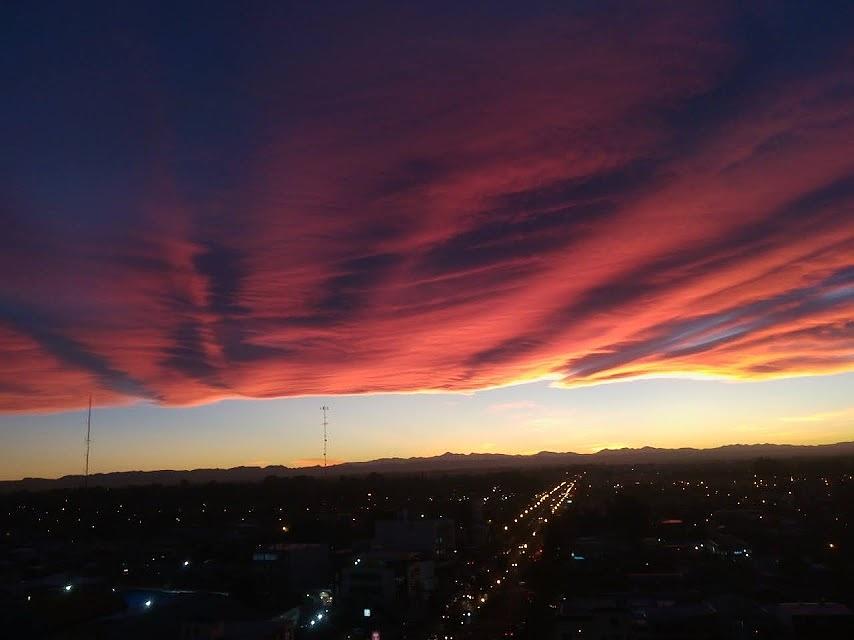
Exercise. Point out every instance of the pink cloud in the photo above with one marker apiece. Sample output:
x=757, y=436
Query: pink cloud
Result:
x=585, y=199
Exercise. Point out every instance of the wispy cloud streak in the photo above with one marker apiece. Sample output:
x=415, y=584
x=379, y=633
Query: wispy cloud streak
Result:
x=430, y=202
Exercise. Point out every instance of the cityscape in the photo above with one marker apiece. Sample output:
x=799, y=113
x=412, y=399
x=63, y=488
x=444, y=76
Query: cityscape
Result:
x=427, y=320
x=758, y=549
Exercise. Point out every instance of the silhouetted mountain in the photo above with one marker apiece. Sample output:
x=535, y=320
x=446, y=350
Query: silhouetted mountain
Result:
x=458, y=462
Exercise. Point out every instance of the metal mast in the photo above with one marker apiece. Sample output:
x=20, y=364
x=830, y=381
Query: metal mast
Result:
x=324, y=408
x=88, y=442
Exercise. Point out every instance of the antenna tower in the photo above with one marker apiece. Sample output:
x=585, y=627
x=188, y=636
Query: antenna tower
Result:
x=88, y=442
x=324, y=409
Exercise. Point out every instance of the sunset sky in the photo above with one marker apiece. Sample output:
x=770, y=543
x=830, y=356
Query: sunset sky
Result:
x=495, y=226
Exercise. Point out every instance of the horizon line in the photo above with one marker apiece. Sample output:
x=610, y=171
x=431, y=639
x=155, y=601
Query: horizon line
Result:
x=441, y=455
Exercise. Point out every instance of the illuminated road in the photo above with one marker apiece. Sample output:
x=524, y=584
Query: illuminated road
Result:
x=522, y=546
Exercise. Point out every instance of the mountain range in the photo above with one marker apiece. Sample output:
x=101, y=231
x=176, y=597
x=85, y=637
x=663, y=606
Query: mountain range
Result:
x=447, y=462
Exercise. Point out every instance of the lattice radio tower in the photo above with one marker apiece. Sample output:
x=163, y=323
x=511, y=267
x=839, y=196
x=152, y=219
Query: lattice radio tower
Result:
x=324, y=409
x=88, y=442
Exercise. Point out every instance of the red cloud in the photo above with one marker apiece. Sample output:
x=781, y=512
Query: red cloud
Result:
x=586, y=199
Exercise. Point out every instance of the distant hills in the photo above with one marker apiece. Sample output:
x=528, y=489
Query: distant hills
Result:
x=456, y=462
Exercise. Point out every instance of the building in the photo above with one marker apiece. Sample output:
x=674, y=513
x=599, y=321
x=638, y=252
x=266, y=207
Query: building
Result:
x=383, y=578
x=729, y=547
x=299, y=567
x=604, y=618
x=418, y=535
x=825, y=620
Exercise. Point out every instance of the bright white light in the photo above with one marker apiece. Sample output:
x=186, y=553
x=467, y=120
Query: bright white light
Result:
x=186, y=563
x=148, y=603
x=367, y=613
x=68, y=587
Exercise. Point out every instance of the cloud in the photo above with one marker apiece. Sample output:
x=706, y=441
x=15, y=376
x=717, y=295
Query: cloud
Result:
x=315, y=462
x=825, y=416
x=514, y=407
x=430, y=200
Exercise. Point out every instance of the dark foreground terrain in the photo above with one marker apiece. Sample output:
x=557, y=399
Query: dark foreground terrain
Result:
x=756, y=548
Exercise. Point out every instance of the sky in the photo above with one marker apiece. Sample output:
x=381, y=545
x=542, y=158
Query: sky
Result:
x=482, y=227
